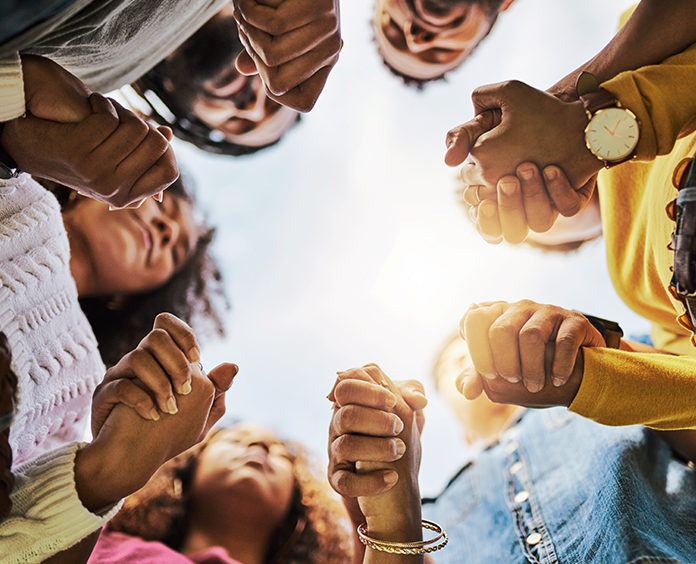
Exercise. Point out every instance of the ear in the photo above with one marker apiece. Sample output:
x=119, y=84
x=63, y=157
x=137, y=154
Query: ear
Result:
x=505, y=5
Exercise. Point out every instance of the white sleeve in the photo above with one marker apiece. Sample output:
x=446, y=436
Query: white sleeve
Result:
x=47, y=516
x=11, y=88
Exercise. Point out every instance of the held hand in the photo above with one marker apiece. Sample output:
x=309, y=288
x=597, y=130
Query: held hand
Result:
x=134, y=448
x=371, y=430
x=164, y=362
x=509, y=341
x=528, y=201
x=471, y=384
x=86, y=141
x=292, y=44
x=516, y=124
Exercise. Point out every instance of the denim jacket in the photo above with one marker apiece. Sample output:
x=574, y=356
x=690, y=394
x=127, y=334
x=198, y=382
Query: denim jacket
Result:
x=558, y=488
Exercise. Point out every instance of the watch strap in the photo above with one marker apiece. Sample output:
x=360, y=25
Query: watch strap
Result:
x=610, y=330
x=598, y=100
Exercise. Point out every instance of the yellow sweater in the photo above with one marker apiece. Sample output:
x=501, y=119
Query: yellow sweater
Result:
x=656, y=390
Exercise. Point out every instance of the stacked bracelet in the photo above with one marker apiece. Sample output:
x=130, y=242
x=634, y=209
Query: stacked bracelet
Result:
x=418, y=547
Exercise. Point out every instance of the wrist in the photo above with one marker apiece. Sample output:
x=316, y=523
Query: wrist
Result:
x=103, y=476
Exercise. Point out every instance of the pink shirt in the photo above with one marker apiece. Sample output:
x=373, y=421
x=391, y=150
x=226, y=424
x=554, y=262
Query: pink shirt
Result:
x=119, y=548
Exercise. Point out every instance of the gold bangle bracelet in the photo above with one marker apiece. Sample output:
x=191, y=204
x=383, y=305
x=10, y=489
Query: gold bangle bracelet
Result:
x=417, y=547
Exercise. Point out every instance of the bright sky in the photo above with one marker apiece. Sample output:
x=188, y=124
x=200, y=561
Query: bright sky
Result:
x=346, y=244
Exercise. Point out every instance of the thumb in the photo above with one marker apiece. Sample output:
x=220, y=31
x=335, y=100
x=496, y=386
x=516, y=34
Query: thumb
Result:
x=413, y=394
x=222, y=377
x=470, y=384
x=245, y=64
x=461, y=140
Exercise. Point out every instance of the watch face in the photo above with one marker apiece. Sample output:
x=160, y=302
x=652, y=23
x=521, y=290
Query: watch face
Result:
x=612, y=134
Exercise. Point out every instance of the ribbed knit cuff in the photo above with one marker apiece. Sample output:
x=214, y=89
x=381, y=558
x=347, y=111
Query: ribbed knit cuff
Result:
x=11, y=89
x=47, y=515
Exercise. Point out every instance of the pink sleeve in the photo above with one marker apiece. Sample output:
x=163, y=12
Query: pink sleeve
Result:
x=119, y=548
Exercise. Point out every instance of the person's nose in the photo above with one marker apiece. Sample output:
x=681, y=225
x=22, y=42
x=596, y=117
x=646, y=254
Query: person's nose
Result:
x=417, y=39
x=263, y=445
x=167, y=231
x=255, y=108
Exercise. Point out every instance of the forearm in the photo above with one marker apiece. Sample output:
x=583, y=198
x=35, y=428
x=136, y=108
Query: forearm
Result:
x=653, y=33
x=627, y=388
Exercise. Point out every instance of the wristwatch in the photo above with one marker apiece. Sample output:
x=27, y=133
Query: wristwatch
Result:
x=8, y=166
x=613, y=131
x=610, y=330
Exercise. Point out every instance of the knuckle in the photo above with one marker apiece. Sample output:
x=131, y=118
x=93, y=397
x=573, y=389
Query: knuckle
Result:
x=501, y=331
x=165, y=318
x=157, y=337
x=530, y=336
x=168, y=173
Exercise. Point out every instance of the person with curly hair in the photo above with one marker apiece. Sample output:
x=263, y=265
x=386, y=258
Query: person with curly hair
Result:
x=125, y=267
x=189, y=285
x=242, y=496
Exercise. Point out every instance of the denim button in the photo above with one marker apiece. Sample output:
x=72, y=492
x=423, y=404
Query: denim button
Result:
x=516, y=467
x=521, y=497
x=533, y=539
x=511, y=447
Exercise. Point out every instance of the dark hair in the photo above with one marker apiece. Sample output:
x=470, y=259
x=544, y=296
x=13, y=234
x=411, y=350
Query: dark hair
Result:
x=492, y=7
x=177, y=81
x=194, y=294
x=312, y=532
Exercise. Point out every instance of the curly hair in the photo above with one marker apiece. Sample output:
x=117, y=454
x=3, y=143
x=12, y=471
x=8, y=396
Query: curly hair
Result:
x=436, y=6
x=315, y=529
x=194, y=294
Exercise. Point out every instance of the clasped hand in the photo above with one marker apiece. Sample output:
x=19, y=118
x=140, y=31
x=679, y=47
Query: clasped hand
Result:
x=374, y=450
x=86, y=141
x=129, y=432
x=525, y=353
x=524, y=160
x=292, y=44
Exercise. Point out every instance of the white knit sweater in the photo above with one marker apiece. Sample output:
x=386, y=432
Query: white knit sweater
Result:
x=55, y=357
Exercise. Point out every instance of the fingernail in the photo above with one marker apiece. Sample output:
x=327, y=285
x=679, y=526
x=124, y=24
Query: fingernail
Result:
x=558, y=381
x=526, y=174
x=400, y=447
x=391, y=477
x=534, y=387
x=487, y=209
x=391, y=400
x=550, y=173
x=489, y=376
x=508, y=188
x=186, y=388
x=154, y=414
x=398, y=426
x=514, y=379
x=194, y=355
x=171, y=406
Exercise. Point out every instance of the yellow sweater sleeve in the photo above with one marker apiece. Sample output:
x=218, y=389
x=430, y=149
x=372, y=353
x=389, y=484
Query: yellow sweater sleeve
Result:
x=628, y=388
x=663, y=119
